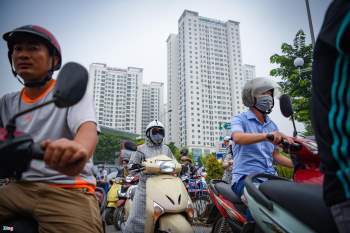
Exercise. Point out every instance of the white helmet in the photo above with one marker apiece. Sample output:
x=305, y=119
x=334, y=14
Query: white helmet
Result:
x=155, y=132
x=255, y=87
x=227, y=138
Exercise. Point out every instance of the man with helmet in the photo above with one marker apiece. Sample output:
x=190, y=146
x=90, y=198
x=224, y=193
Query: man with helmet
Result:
x=254, y=152
x=152, y=147
x=59, y=191
x=227, y=160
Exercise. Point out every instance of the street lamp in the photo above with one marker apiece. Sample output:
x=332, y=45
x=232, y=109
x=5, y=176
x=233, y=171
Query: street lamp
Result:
x=298, y=63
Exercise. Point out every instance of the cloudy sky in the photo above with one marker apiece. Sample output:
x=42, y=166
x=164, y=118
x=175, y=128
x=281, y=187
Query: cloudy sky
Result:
x=124, y=33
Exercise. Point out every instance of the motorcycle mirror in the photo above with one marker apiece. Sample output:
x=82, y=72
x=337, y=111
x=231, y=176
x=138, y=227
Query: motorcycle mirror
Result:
x=70, y=88
x=71, y=85
x=286, y=106
x=287, y=110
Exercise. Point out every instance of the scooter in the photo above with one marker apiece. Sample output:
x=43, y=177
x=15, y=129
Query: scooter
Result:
x=112, y=199
x=228, y=212
x=279, y=205
x=197, y=189
x=168, y=206
x=125, y=192
x=17, y=149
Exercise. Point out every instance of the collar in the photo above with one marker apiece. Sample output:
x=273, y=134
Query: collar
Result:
x=251, y=115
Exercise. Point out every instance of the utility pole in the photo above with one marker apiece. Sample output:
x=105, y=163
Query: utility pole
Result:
x=310, y=23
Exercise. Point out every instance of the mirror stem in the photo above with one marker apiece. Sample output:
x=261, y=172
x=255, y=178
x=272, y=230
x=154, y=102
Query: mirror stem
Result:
x=295, y=133
x=11, y=125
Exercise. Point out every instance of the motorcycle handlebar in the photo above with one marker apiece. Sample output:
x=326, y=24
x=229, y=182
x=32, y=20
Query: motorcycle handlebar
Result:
x=293, y=146
x=37, y=151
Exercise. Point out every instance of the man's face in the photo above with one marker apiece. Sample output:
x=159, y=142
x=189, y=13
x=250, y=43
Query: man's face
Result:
x=226, y=142
x=31, y=59
x=124, y=163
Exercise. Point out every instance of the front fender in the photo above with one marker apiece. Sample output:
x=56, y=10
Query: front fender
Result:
x=174, y=223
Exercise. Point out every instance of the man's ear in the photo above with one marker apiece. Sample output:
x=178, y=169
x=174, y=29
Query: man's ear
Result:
x=56, y=60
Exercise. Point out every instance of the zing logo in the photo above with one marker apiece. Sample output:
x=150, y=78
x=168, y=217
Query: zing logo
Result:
x=6, y=228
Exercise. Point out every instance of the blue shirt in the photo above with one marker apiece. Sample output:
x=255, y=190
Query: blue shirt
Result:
x=253, y=158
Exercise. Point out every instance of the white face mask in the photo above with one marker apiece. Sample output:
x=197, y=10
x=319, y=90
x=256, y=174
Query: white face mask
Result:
x=264, y=103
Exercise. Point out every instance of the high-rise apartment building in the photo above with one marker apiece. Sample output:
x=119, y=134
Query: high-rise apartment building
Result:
x=204, y=80
x=152, y=103
x=248, y=72
x=118, y=97
x=173, y=91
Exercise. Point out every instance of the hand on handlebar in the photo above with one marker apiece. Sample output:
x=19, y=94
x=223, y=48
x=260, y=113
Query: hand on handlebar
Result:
x=65, y=156
x=278, y=137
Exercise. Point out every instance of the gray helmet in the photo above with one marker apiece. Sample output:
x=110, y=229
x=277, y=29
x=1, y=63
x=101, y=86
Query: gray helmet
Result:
x=255, y=87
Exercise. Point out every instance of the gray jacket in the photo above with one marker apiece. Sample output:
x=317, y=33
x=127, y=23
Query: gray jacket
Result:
x=136, y=220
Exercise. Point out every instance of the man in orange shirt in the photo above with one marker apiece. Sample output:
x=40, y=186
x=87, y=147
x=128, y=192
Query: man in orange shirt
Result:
x=59, y=191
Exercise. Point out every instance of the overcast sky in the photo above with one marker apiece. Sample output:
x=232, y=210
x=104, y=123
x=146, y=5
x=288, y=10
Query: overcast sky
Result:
x=124, y=33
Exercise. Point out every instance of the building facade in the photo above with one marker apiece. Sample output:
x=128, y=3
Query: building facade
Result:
x=152, y=103
x=118, y=97
x=204, y=80
x=248, y=72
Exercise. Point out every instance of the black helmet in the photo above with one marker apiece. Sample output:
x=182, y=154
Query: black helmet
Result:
x=43, y=34
x=184, y=151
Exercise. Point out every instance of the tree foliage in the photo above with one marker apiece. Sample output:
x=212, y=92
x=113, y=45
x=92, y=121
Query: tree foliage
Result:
x=296, y=82
x=213, y=167
x=108, y=145
x=174, y=150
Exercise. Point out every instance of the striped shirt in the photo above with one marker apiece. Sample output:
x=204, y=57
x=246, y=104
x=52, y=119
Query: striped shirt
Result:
x=331, y=101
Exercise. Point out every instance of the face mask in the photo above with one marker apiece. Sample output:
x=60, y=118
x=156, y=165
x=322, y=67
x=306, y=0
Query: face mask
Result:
x=157, y=138
x=264, y=103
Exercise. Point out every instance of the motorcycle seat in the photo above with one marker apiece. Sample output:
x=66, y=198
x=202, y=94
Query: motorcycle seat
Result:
x=304, y=201
x=21, y=225
x=225, y=190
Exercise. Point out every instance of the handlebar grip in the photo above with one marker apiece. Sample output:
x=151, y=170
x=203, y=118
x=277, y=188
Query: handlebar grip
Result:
x=37, y=151
x=270, y=137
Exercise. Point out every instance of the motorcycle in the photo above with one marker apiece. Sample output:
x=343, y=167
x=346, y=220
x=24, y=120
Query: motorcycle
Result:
x=280, y=205
x=197, y=189
x=167, y=209
x=228, y=212
x=125, y=192
x=111, y=200
x=17, y=149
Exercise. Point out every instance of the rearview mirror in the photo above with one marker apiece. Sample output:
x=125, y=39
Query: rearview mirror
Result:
x=286, y=106
x=71, y=85
x=70, y=88
x=287, y=110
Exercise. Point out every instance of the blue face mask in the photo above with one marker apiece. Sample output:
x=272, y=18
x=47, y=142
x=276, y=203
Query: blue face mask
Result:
x=264, y=103
x=157, y=138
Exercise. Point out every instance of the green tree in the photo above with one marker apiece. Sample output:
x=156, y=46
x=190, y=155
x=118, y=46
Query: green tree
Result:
x=107, y=147
x=109, y=143
x=294, y=83
x=213, y=167
x=174, y=150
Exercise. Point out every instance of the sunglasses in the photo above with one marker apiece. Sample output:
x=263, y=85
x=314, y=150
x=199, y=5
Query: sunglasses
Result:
x=155, y=131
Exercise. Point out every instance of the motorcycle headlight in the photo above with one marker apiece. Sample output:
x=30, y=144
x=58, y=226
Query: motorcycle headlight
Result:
x=129, y=179
x=157, y=211
x=167, y=166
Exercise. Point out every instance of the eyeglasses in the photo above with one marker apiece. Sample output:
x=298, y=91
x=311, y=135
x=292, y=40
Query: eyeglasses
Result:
x=155, y=131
